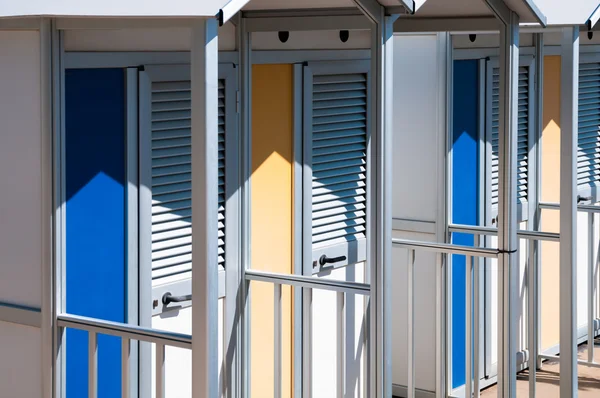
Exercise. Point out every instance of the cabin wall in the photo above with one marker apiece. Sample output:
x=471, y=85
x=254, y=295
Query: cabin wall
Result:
x=272, y=216
x=550, y=185
x=419, y=130
x=21, y=203
x=178, y=39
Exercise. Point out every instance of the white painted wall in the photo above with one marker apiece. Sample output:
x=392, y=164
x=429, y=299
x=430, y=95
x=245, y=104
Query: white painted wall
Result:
x=21, y=203
x=418, y=117
x=325, y=341
x=178, y=39
x=20, y=169
x=20, y=358
x=178, y=361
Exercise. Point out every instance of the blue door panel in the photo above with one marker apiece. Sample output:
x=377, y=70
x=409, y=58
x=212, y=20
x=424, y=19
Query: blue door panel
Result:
x=95, y=220
x=464, y=196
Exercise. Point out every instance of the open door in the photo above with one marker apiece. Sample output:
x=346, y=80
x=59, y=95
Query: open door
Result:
x=165, y=215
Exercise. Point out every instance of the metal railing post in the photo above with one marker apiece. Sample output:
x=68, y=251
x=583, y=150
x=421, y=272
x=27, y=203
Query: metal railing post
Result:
x=277, y=341
x=591, y=286
x=532, y=333
x=476, y=321
x=411, y=325
x=341, y=344
x=125, y=367
x=92, y=365
x=468, y=327
x=160, y=370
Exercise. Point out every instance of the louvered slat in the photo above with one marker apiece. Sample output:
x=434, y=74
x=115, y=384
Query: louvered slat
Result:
x=522, y=136
x=339, y=143
x=172, y=179
x=588, y=139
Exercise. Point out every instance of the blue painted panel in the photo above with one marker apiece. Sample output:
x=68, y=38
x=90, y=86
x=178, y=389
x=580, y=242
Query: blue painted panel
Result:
x=95, y=225
x=464, y=196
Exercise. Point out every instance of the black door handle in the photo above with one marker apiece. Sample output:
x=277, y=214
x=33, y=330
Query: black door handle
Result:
x=583, y=198
x=168, y=298
x=330, y=260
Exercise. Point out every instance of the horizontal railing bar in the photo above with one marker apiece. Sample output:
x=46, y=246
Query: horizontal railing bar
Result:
x=309, y=282
x=523, y=234
x=124, y=330
x=446, y=248
x=581, y=362
x=581, y=208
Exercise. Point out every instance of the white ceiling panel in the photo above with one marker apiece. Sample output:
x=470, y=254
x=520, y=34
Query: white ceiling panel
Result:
x=111, y=8
x=567, y=12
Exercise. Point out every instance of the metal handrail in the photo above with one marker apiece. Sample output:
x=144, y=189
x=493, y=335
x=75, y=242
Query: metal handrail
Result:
x=309, y=282
x=446, y=248
x=523, y=234
x=581, y=208
x=118, y=329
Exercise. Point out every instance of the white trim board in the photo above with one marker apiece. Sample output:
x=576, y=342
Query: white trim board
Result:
x=401, y=391
x=20, y=315
x=82, y=60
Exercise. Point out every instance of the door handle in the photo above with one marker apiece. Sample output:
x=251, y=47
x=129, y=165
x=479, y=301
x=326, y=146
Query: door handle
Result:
x=330, y=260
x=168, y=298
x=583, y=199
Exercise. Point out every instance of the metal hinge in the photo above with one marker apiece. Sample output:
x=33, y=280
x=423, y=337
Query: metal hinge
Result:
x=237, y=101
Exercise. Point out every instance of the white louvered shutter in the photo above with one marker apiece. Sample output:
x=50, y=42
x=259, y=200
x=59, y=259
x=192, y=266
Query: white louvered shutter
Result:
x=172, y=180
x=588, y=139
x=336, y=137
x=526, y=82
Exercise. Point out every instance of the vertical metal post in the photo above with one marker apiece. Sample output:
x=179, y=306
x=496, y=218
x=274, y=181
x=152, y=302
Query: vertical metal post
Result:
x=380, y=157
x=277, y=369
x=341, y=345
x=204, y=79
x=477, y=320
x=507, y=207
x=532, y=297
x=379, y=256
x=411, y=324
x=125, y=367
x=569, y=82
x=92, y=365
x=468, y=327
x=47, y=81
x=536, y=196
x=245, y=61
x=160, y=371
x=591, y=285
x=307, y=343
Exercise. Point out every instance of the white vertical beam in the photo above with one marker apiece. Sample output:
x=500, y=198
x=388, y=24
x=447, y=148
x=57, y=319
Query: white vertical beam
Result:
x=507, y=207
x=569, y=81
x=385, y=138
x=536, y=195
x=410, y=344
x=245, y=62
x=46, y=113
x=468, y=327
x=204, y=78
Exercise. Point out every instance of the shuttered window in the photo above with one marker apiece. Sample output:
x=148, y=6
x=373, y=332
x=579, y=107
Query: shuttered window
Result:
x=588, y=139
x=171, y=182
x=525, y=126
x=336, y=147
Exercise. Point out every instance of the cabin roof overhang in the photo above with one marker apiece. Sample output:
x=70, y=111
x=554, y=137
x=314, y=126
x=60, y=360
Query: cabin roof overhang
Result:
x=173, y=8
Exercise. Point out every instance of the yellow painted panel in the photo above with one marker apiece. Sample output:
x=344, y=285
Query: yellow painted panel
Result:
x=272, y=221
x=550, y=193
